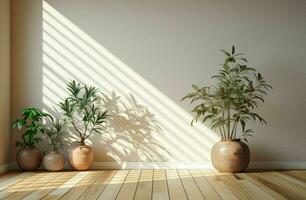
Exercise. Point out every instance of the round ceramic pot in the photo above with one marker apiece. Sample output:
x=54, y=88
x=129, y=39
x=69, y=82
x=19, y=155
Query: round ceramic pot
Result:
x=80, y=156
x=230, y=156
x=54, y=161
x=29, y=159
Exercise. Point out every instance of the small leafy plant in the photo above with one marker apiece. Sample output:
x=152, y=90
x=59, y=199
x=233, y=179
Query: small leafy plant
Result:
x=80, y=110
x=230, y=104
x=32, y=122
x=54, y=135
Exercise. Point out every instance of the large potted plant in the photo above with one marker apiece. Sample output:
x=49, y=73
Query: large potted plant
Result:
x=54, y=161
x=82, y=114
x=227, y=107
x=32, y=123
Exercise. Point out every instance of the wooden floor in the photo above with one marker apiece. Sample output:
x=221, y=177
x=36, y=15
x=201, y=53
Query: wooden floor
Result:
x=153, y=184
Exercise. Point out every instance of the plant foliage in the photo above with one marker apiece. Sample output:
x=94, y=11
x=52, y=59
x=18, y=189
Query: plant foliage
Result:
x=54, y=135
x=80, y=110
x=32, y=122
x=230, y=104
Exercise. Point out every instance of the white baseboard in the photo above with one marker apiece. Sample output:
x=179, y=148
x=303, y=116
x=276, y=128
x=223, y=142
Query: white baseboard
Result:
x=152, y=165
x=178, y=165
x=4, y=168
x=193, y=165
x=277, y=165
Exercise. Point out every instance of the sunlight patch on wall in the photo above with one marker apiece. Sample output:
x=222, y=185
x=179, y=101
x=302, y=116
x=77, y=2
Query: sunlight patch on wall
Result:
x=145, y=125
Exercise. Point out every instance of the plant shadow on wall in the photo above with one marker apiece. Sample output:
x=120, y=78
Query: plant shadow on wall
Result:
x=131, y=126
x=128, y=132
x=69, y=53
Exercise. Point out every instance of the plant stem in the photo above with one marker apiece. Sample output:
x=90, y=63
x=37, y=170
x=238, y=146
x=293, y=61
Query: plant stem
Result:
x=87, y=136
x=228, y=121
x=77, y=130
x=234, y=130
x=224, y=132
x=222, y=136
x=222, y=104
x=84, y=136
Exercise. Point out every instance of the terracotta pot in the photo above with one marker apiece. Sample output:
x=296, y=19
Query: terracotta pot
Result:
x=29, y=159
x=54, y=161
x=230, y=156
x=80, y=156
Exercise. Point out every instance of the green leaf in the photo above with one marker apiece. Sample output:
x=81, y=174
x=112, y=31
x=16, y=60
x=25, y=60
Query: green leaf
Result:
x=207, y=118
x=248, y=131
x=226, y=53
x=226, y=67
x=233, y=50
x=244, y=59
x=230, y=60
x=242, y=122
x=20, y=123
x=195, y=87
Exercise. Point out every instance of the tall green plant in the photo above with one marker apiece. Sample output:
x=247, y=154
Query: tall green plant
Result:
x=32, y=123
x=231, y=102
x=81, y=112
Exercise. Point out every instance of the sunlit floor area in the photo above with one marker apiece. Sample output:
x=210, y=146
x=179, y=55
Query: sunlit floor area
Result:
x=153, y=184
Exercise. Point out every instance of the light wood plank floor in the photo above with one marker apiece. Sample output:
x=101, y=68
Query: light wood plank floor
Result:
x=153, y=184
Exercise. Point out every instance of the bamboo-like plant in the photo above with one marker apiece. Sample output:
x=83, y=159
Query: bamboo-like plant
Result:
x=230, y=104
x=81, y=112
x=54, y=135
x=32, y=122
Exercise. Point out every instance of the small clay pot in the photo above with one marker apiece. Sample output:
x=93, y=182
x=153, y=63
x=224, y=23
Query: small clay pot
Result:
x=230, y=155
x=80, y=156
x=29, y=159
x=54, y=161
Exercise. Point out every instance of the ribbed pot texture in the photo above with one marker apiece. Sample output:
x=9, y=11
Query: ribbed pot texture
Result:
x=29, y=159
x=230, y=156
x=54, y=161
x=80, y=156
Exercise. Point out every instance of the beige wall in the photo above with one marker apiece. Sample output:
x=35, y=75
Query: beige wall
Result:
x=149, y=53
x=4, y=81
x=26, y=59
